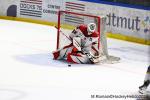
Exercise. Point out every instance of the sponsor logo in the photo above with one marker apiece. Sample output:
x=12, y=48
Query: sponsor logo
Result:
x=123, y=22
x=31, y=8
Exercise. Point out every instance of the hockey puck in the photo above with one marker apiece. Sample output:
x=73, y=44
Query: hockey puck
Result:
x=69, y=65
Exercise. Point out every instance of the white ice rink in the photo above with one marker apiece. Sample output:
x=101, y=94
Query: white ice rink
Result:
x=28, y=72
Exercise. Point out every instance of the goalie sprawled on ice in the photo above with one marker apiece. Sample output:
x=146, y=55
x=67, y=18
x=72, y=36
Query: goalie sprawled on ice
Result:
x=83, y=47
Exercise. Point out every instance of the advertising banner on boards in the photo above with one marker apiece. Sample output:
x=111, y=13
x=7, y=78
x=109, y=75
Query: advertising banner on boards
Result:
x=123, y=20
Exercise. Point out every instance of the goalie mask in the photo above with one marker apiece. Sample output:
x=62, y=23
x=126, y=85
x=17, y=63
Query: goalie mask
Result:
x=91, y=27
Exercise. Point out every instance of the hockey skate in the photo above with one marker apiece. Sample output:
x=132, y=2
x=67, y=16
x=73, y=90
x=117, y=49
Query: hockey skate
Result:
x=143, y=88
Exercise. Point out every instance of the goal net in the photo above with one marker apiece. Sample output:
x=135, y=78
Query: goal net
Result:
x=67, y=21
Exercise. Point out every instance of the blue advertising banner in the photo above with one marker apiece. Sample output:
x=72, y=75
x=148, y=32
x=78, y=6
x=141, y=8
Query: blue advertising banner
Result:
x=119, y=4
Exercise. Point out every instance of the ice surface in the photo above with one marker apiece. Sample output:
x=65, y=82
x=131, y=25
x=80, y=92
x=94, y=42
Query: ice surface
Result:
x=28, y=72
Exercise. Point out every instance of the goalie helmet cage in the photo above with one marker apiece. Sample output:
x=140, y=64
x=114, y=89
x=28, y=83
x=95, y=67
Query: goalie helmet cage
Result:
x=67, y=21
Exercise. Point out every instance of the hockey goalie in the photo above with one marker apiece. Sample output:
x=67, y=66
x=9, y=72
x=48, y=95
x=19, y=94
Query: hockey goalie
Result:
x=83, y=47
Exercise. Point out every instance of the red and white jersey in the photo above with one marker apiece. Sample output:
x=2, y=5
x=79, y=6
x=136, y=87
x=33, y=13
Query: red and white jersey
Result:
x=88, y=42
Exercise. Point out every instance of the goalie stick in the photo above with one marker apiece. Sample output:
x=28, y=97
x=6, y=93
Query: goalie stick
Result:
x=92, y=58
x=64, y=34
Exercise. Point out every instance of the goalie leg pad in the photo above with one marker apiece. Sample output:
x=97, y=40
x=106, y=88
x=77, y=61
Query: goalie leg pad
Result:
x=70, y=58
x=62, y=53
x=78, y=58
